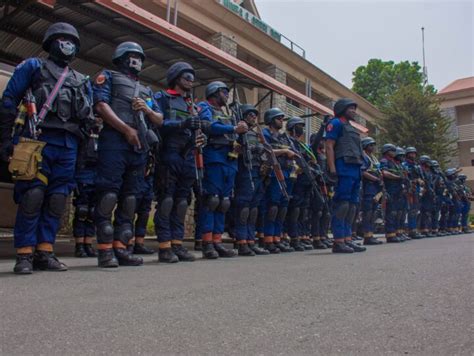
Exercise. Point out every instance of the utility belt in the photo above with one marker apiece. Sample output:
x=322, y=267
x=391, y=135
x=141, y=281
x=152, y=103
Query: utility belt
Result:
x=26, y=161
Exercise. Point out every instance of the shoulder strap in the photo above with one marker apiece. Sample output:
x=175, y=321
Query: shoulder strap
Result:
x=52, y=96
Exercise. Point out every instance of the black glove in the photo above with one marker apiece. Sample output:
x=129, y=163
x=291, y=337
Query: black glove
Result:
x=6, y=150
x=192, y=123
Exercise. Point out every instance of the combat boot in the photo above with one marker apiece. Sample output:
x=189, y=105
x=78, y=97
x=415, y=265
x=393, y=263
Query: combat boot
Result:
x=141, y=249
x=197, y=245
x=393, y=239
x=297, y=246
x=341, y=247
x=415, y=235
x=307, y=244
x=209, y=252
x=372, y=241
x=107, y=259
x=222, y=251
x=245, y=250
x=24, y=263
x=356, y=247
x=125, y=258
x=79, y=251
x=284, y=247
x=319, y=245
x=90, y=251
x=271, y=248
x=47, y=261
x=167, y=255
x=183, y=254
x=327, y=242
x=257, y=250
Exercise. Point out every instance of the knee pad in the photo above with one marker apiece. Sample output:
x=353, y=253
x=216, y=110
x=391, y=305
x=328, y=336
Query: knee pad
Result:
x=294, y=215
x=272, y=213
x=106, y=205
x=56, y=205
x=123, y=233
x=166, y=205
x=244, y=215
x=341, y=210
x=32, y=202
x=212, y=202
x=181, y=208
x=224, y=205
x=81, y=212
x=105, y=232
x=128, y=206
x=282, y=214
x=253, y=215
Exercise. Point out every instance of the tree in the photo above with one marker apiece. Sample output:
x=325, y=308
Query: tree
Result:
x=413, y=118
x=378, y=80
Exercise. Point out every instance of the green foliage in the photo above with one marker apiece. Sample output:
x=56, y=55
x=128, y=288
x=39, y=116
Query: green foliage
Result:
x=378, y=80
x=413, y=118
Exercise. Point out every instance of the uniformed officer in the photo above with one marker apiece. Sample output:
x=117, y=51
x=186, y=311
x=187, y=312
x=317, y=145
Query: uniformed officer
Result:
x=275, y=205
x=393, y=181
x=455, y=207
x=415, y=189
x=249, y=187
x=43, y=199
x=128, y=110
x=344, y=158
x=304, y=184
x=402, y=213
x=372, y=190
x=220, y=168
x=176, y=171
x=428, y=198
x=466, y=203
x=438, y=188
x=83, y=227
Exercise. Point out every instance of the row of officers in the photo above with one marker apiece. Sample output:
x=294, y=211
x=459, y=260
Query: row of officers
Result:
x=119, y=146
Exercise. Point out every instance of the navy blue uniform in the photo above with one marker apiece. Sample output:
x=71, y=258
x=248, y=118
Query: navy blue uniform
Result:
x=395, y=201
x=371, y=194
x=42, y=202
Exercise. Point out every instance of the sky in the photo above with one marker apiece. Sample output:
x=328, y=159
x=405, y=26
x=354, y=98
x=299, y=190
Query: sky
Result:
x=338, y=36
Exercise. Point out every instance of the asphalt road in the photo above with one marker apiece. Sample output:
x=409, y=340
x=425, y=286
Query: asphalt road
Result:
x=410, y=298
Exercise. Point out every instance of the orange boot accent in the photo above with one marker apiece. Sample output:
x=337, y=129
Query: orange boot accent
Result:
x=79, y=240
x=104, y=246
x=139, y=240
x=44, y=246
x=276, y=239
x=24, y=250
x=163, y=245
x=207, y=237
x=88, y=240
x=119, y=244
x=217, y=238
x=176, y=242
x=268, y=239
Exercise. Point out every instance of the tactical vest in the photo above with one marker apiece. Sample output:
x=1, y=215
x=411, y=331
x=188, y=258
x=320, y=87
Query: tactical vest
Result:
x=348, y=145
x=123, y=90
x=176, y=108
x=255, y=147
x=222, y=140
x=72, y=104
x=322, y=161
x=374, y=165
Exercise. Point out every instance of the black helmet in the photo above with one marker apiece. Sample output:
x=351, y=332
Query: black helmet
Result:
x=246, y=109
x=425, y=159
x=410, y=149
x=295, y=120
x=388, y=147
x=214, y=87
x=59, y=29
x=434, y=163
x=341, y=106
x=176, y=70
x=272, y=113
x=127, y=47
x=400, y=152
x=367, y=141
x=450, y=172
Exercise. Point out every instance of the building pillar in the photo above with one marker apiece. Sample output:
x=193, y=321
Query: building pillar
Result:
x=277, y=100
x=224, y=42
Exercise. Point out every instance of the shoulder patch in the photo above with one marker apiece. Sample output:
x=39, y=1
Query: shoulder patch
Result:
x=100, y=79
x=329, y=127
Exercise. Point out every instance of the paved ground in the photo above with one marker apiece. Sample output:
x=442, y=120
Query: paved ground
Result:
x=411, y=298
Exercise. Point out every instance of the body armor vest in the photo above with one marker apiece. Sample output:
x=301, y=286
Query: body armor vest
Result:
x=176, y=109
x=123, y=90
x=256, y=149
x=222, y=140
x=72, y=106
x=348, y=145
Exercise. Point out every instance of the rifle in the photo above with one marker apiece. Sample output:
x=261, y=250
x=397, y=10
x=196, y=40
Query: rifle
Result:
x=147, y=137
x=274, y=162
x=248, y=157
x=33, y=120
x=198, y=154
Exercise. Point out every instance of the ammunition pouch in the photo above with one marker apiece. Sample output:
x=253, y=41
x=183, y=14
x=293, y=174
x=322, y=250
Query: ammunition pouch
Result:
x=25, y=163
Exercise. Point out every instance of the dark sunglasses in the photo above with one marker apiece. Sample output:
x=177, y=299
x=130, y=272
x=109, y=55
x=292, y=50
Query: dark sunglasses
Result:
x=188, y=76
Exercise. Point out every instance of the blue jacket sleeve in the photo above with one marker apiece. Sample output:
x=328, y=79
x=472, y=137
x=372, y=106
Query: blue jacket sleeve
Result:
x=102, y=87
x=217, y=128
x=333, y=129
x=19, y=82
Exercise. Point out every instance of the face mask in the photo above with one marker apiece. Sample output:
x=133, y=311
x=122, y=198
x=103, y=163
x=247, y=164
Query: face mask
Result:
x=135, y=65
x=63, y=49
x=299, y=131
